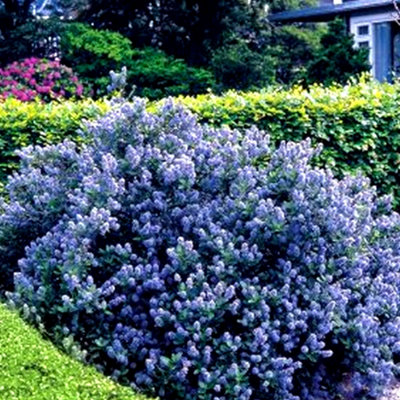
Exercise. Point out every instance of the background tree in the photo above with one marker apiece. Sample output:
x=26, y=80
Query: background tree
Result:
x=294, y=46
x=184, y=28
x=188, y=29
x=338, y=59
x=233, y=38
x=12, y=14
x=32, y=38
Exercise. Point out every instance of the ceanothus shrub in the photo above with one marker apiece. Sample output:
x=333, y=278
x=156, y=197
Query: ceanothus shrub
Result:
x=199, y=263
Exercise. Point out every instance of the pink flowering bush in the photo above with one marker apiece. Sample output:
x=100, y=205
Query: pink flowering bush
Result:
x=38, y=78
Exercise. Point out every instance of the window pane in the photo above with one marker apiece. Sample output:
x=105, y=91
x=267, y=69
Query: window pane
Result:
x=363, y=30
x=363, y=44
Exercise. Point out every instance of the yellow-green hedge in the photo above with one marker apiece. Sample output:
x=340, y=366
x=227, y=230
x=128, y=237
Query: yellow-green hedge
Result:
x=358, y=125
x=26, y=123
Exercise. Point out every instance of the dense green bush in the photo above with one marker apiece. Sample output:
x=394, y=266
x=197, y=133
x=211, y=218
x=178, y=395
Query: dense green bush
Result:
x=29, y=123
x=358, y=125
x=156, y=75
x=293, y=47
x=200, y=263
x=93, y=53
x=237, y=66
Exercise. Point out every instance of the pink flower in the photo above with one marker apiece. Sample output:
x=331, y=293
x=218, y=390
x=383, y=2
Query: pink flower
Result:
x=32, y=61
x=14, y=70
x=19, y=78
x=79, y=90
x=23, y=96
x=43, y=89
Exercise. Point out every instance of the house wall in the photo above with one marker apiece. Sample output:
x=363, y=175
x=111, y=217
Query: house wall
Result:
x=364, y=28
x=330, y=2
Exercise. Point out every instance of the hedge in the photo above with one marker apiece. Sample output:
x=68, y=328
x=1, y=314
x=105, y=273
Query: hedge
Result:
x=358, y=124
x=32, y=368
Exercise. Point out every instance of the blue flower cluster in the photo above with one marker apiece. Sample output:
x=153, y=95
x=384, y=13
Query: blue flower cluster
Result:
x=199, y=263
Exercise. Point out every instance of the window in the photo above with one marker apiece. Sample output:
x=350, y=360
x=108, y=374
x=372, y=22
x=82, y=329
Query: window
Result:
x=364, y=44
x=363, y=30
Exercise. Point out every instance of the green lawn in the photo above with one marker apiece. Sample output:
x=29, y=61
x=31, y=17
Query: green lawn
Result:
x=33, y=369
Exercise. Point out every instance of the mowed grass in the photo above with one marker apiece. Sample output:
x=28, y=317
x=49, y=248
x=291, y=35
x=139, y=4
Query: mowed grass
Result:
x=31, y=368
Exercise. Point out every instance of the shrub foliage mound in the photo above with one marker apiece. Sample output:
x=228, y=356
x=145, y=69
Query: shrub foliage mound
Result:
x=198, y=263
x=92, y=53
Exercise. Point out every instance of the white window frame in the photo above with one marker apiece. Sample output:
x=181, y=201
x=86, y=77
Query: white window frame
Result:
x=364, y=38
x=371, y=19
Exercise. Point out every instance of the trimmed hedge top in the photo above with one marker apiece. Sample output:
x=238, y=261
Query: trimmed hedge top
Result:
x=27, y=123
x=358, y=124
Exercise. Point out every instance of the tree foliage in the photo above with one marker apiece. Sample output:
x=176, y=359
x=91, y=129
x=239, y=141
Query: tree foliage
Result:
x=337, y=59
x=186, y=29
x=12, y=14
x=33, y=37
x=93, y=53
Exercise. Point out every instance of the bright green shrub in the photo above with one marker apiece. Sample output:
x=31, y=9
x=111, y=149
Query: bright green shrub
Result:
x=31, y=368
x=93, y=53
x=359, y=124
x=26, y=123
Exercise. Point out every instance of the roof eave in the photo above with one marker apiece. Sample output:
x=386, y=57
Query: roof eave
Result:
x=326, y=13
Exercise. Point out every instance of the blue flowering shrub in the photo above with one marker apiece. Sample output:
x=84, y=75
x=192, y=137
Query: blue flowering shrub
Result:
x=200, y=263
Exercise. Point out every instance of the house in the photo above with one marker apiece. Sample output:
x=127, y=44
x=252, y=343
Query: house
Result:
x=375, y=25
